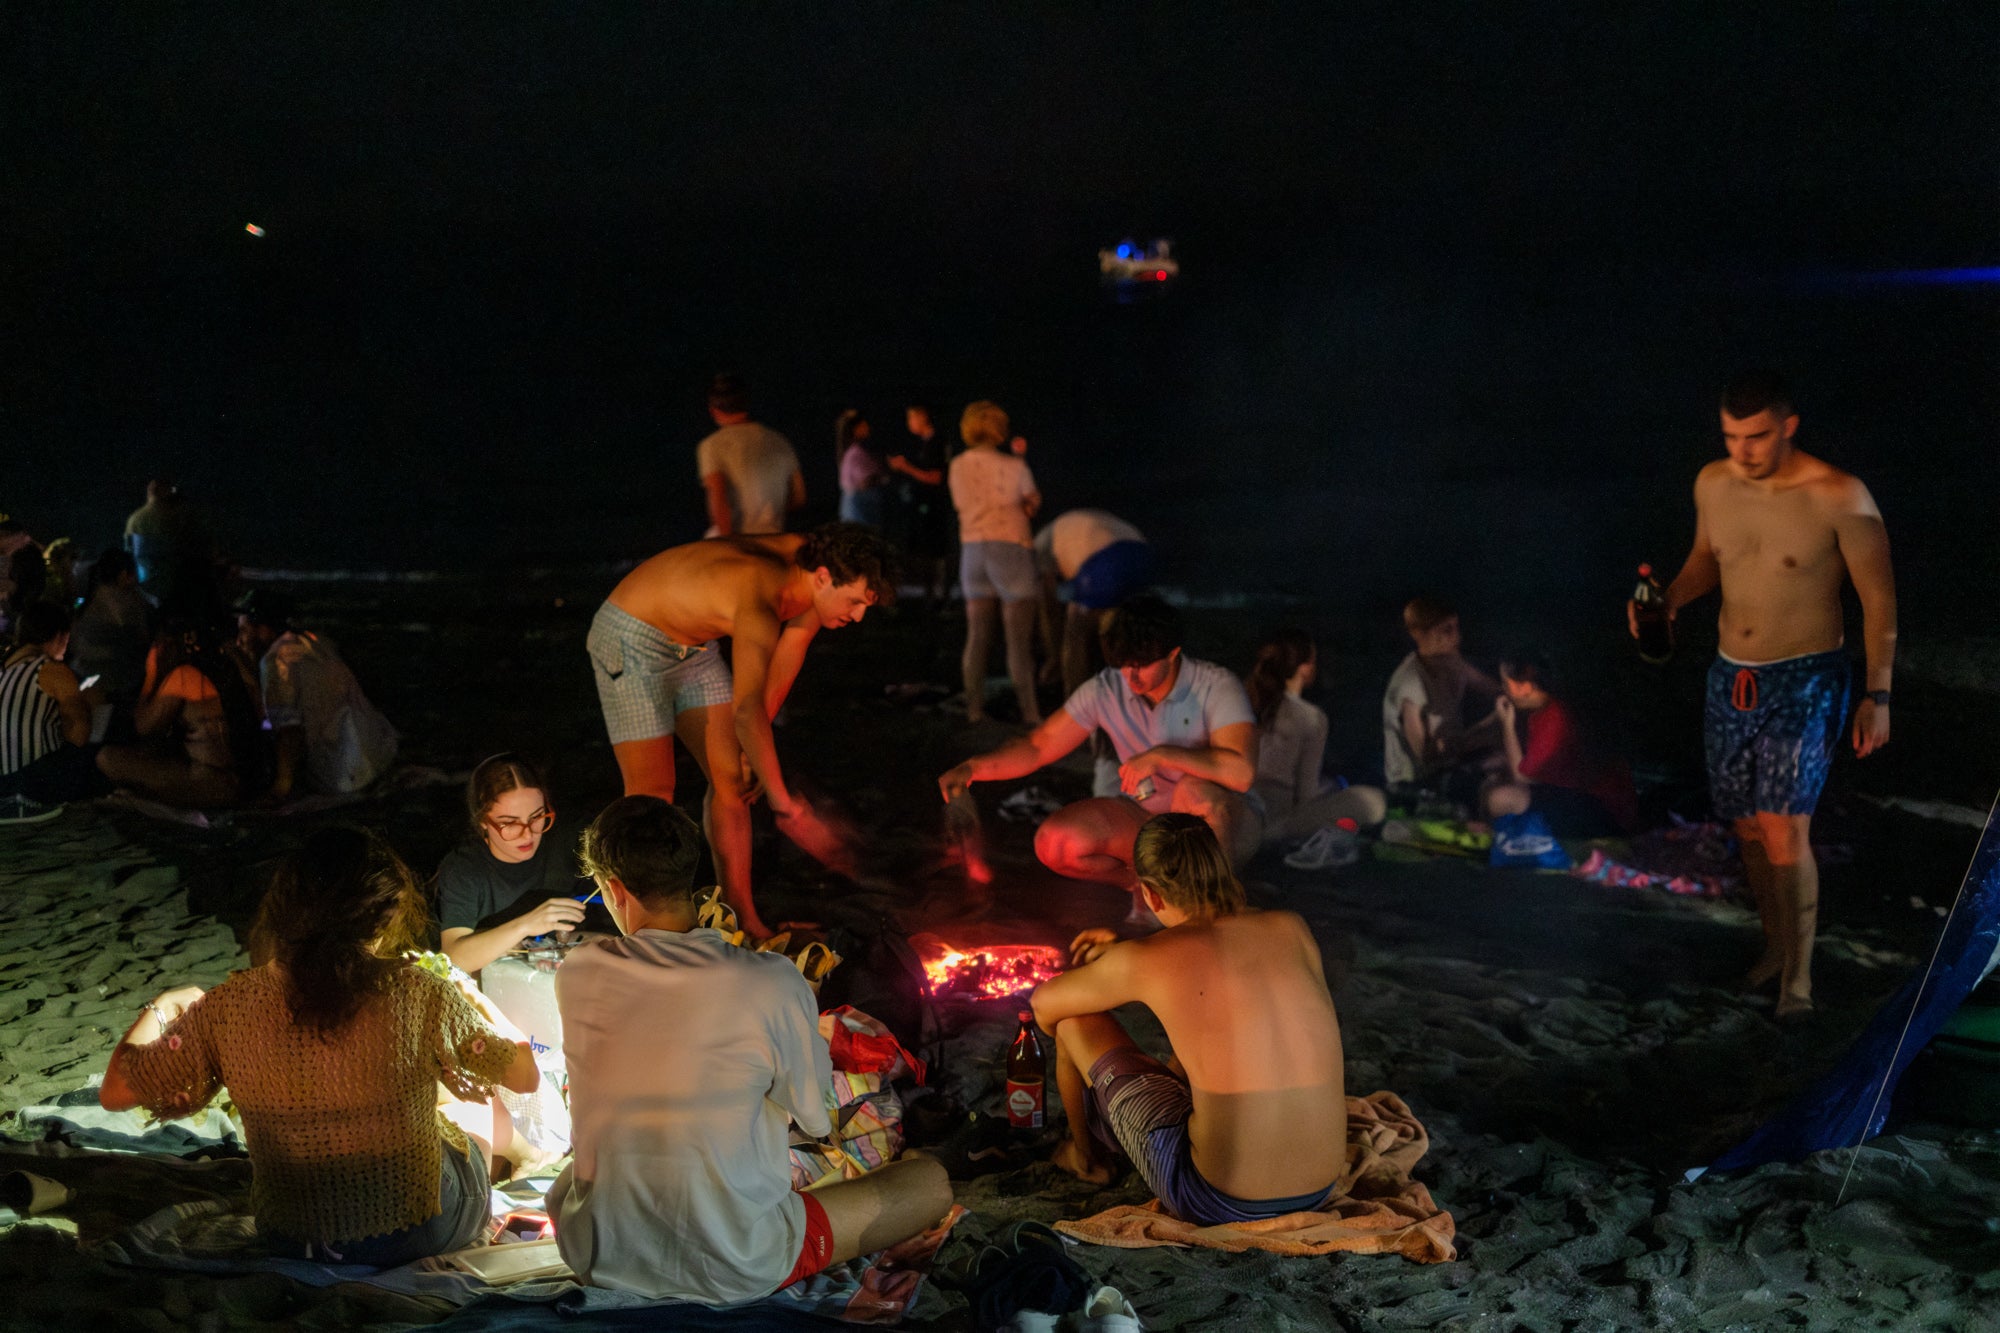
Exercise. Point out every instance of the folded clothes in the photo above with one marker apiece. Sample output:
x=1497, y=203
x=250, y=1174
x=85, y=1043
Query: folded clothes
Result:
x=1378, y=1208
x=1601, y=869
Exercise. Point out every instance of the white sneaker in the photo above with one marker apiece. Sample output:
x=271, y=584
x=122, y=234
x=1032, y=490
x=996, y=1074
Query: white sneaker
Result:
x=1107, y=1311
x=1327, y=849
x=1030, y=1321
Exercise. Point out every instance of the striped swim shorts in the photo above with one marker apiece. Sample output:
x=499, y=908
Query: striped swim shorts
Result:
x=645, y=680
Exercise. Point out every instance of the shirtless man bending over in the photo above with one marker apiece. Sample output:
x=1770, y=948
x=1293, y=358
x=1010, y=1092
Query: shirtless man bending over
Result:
x=660, y=675
x=1779, y=530
x=1257, y=1125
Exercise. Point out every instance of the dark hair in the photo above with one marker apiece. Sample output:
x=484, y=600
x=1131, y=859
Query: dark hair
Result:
x=846, y=428
x=494, y=778
x=851, y=551
x=728, y=393
x=40, y=622
x=106, y=570
x=262, y=606
x=645, y=844
x=1425, y=614
x=1278, y=659
x=1756, y=391
x=1139, y=630
x=1178, y=857
x=1530, y=666
x=338, y=914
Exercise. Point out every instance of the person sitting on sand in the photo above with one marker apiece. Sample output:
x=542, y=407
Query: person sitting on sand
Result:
x=1183, y=732
x=1250, y=1119
x=687, y=1058
x=1559, y=771
x=506, y=881
x=660, y=674
x=1291, y=796
x=326, y=736
x=1103, y=560
x=45, y=750
x=1426, y=740
x=114, y=630
x=333, y=1053
x=201, y=737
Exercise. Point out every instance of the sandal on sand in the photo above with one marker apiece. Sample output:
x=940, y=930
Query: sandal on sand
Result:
x=712, y=912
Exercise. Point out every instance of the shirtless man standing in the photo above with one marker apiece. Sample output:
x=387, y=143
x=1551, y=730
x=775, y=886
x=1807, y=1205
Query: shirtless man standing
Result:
x=1257, y=1125
x=1779, y=530
x=660, y=675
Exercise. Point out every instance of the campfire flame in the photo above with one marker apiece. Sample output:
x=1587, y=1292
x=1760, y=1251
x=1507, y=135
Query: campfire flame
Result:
x=986, y=971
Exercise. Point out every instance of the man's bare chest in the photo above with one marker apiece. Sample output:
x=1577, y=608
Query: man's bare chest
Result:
x=1775, y=536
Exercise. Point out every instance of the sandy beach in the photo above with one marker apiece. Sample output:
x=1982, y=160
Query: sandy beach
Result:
x=1572, y=1049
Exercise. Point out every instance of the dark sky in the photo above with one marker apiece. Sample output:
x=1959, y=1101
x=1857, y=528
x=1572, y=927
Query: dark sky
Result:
x=150, y=123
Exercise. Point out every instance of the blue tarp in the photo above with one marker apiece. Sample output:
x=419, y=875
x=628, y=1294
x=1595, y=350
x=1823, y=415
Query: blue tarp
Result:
x=1851, y=1102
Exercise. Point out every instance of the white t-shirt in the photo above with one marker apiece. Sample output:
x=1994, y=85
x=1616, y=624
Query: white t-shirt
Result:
x=348, y=743
x=1406, y=682
x=988, y=487
x=758, y=463
x=688, y=1058
x=1205, y=699
x=1078, y=535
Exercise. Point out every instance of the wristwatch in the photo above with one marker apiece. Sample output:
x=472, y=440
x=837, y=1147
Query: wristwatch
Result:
x=1880, y=698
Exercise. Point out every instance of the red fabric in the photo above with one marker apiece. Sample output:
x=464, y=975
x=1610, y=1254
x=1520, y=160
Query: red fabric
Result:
x=818, y=1247
x=861, y=1045
x=1555, y=754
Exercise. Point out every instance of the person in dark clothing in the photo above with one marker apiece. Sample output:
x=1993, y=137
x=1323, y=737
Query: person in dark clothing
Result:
x=507, y=881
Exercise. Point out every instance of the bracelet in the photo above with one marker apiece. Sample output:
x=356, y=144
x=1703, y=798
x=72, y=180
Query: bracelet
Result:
x=158, y=1017
x=1880, y=698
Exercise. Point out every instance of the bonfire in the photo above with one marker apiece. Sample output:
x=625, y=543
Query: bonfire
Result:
x=984, y=971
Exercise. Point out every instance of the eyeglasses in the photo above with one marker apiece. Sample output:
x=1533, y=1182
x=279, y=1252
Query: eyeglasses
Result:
x=540, y=822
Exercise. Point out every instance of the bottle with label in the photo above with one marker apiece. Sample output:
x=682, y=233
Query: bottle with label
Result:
x=1027, y=1076
x=1656, y=631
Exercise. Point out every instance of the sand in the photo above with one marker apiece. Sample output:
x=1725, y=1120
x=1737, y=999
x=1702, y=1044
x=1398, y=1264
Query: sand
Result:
x=1571, y=1049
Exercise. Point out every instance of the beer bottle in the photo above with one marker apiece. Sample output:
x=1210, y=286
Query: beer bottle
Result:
x=1027, y=1076
x=1656, y=631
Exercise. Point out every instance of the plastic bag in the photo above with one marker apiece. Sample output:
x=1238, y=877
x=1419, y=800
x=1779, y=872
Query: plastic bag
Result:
x=1526, y=840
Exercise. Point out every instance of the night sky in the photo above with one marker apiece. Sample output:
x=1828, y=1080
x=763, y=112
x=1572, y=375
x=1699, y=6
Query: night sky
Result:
x=503, y=254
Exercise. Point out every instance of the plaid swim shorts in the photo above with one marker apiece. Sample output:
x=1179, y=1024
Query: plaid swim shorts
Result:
x=645, y=680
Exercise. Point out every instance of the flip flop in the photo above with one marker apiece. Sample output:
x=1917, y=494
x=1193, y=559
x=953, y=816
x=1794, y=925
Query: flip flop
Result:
x=815, y=962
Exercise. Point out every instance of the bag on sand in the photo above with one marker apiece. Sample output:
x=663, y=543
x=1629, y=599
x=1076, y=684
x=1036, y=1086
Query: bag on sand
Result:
x=1526, y=840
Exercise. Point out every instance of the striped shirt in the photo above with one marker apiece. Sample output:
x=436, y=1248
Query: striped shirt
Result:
x=30, y=722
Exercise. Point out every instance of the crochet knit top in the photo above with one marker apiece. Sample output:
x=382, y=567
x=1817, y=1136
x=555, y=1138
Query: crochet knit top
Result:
x=343, y=1131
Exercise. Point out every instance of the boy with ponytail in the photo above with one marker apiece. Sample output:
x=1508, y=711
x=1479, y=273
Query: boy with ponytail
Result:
x=1249, y=1120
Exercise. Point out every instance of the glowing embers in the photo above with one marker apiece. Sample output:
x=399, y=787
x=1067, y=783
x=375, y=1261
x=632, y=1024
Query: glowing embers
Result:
x=984, y=971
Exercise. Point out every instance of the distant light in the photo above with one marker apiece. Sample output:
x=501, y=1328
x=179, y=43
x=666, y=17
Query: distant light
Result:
x=253, y=229
x=1161, y=276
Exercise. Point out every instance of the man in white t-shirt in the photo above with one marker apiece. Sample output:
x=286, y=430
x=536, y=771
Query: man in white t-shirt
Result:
x=328, y=738
x=748, y=471
x=1185, y=737
x=689, y=1058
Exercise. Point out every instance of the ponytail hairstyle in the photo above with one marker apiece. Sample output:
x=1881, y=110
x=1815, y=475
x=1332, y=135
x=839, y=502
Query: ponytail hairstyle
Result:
x=337, y=917
x=1278, y=659
x=494, y=778
x=1177, y=856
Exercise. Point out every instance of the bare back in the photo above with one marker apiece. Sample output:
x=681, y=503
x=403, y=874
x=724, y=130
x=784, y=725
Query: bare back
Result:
x=692, y=593
x=1778, y=549
x=1245, y=1004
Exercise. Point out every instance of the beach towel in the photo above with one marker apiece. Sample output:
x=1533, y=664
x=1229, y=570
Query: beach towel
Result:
x=1379, y=1208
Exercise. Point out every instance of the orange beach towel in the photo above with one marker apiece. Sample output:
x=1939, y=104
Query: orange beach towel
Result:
x=1379, y=1209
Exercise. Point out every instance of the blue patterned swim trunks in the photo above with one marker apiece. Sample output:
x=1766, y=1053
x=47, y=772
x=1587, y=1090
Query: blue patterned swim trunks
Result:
x=1770, y=730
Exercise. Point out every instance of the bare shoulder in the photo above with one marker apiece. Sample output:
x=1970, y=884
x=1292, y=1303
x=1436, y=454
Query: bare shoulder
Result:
x=1841, y=493
x=1712, y=477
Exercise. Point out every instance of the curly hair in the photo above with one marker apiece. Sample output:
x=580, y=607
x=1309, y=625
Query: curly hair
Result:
x=645, y=844
x=851, y=551
x=338, y=915
x=1178, y=857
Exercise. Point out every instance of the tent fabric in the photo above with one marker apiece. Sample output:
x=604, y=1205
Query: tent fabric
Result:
x=1852, y=1101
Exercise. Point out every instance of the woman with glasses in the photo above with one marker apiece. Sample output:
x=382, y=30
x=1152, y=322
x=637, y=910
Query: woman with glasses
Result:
x=507, y=882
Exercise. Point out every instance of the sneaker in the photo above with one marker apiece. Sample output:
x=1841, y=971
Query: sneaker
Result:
x=1327, y=849
x=1107, y=1311
x=20, y=810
